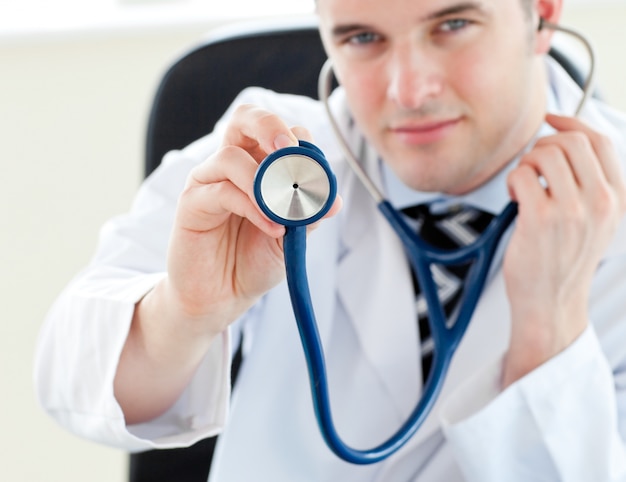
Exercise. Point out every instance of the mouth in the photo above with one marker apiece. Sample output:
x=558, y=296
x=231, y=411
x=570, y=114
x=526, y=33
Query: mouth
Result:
x=424, y=132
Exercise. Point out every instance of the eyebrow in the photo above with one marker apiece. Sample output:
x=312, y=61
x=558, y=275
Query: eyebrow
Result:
x=342, y=30
x=456, y=9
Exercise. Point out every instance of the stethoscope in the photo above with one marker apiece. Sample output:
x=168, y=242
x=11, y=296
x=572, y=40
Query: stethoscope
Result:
x=296, y=187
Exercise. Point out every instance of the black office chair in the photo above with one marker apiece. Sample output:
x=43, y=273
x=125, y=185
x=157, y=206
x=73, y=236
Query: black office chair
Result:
x=192, y=96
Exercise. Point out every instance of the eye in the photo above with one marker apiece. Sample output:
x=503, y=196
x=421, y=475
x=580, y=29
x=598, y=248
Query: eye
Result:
x=363, y=38
x=453, y=25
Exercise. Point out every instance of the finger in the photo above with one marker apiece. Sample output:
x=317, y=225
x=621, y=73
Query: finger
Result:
x=525, y=187
x=232, y=168
x=205, y=207
x=231, y=164
x=258, y=131
x=335, y=208
x=580, y=156
x=549, y=162
x=602, y=195
x=602, y=146
x=302, y=133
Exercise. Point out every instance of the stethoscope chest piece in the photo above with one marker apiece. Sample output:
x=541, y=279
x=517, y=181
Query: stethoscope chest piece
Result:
x=294, y=186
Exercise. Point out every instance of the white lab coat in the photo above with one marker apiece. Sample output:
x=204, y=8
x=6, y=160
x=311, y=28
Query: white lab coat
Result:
x=564, y=421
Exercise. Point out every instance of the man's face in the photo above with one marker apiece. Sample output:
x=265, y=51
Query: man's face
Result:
x=447, y=91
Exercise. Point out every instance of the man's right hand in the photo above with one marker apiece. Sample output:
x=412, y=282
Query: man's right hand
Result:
x=224, y=254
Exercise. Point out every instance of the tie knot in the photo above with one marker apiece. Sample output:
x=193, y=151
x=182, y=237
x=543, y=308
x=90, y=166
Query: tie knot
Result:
x=455, y=226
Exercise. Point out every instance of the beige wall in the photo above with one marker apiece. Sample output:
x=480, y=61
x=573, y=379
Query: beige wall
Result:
x=72, y=119
x=72, y=116
x=603, y=23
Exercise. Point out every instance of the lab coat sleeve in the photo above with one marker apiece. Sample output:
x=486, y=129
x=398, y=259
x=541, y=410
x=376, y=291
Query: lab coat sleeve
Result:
x=83, y=335
x=564, y=421
x=558, y=423
x=82, y=338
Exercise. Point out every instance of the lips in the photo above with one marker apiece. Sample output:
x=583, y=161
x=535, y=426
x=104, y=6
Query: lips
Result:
x=424, y=132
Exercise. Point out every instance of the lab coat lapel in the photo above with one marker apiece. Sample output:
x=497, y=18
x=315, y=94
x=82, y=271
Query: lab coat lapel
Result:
x=321, y=269
x=484, y=343
x=375, y=289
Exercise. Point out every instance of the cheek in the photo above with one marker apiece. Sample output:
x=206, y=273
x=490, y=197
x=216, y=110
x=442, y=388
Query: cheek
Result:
x=475, y=77
x=366, y=96
x=468, y=80
x=490, y=82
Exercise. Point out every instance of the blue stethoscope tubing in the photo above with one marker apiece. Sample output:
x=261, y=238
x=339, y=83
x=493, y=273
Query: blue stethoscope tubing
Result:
x=421, y=255
x=446, y=336
x=446, y=339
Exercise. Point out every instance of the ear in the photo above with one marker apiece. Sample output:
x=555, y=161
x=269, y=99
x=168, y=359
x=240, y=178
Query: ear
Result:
x=549, y=10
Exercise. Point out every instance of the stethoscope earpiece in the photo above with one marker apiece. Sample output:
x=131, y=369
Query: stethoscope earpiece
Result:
x=541, y=24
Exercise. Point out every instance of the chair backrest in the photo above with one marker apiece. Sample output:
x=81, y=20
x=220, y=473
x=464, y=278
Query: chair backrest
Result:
x=193, y=94
x=200, y=85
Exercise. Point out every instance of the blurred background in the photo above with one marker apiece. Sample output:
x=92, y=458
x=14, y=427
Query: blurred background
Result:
x=76, y=83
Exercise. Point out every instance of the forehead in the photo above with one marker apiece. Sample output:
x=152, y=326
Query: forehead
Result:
x=399, y=16
x=414, y=9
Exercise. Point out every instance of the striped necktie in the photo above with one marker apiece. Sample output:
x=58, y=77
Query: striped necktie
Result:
x=458, y=226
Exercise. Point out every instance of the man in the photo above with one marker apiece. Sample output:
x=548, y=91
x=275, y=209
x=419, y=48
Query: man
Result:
x=452, y=96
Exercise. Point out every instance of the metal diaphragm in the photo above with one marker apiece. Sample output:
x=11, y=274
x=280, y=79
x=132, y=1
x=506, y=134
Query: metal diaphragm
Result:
x=295, y=186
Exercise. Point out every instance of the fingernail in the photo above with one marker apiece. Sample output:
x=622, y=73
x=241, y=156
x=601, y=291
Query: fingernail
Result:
x=281, y=141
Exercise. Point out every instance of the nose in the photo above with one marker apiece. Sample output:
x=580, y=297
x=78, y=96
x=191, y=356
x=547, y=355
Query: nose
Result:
x=413, y=78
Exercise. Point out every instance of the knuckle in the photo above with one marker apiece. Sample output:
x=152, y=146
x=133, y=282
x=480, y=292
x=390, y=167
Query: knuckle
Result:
x=267, y=120
x=541, y=153
x=195, y=174
x=243, y=109
x=601, y=140
x=605, y=204
x=218, y=189
x=573, y=213
x=513, y=178
x=557, y=144
x=226, y=153
x=252, y=114
x=570, y=140
x=250, y=110
x=522, y=173
x=578, y=139
x=549, y=215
